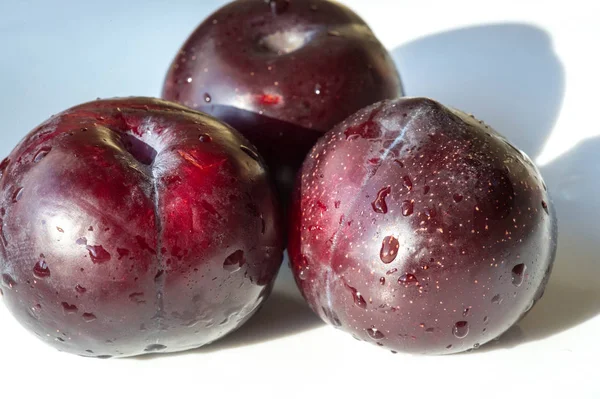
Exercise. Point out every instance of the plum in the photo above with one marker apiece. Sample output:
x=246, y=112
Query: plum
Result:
x=135, y=225
x=420, y=229
x=282, y=72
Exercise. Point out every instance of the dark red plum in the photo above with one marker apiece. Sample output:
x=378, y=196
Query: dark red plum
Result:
x=282, y=72
x=135, y=225
x=420, y=229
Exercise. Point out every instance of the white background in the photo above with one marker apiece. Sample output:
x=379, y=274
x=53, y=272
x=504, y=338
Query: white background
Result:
x=529, y=69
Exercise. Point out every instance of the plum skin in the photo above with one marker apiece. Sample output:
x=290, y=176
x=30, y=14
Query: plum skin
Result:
x=420, y=229
x=283, y=73
x=135, y=225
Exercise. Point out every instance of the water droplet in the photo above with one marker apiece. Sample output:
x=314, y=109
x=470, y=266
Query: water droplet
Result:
x=81, y=241
x=303, y=274
x=460, y=329
x=207, y=97
x=382, y=281
x=41, y=154
x=40, y=269
x=426, y=190
x=517, y=274
x=235, y=261
x=430, y=330
x=18, y=194
x=476, y=345
x=334, y=33
x=375, y=334
x=449, y=347
x=80, y=289
x=407, y=279
x=545, y=206
x=3, y=166
x=89, y=317
x=103, y=357
x=379, y=205
x=251, y=153
x=318, y=89
x=391, y=271
x=407, y=183
x=137, y=297
x=98, y=254
x=466, y=311
x=8, y=281
x=122, y=252
x=69, y=309
x=155, y=348
x=408, y=208
x=486, y=319
x=205, y=138
x=399, y=163
x=457, y=198
x=359, y=300
x=497, y=299
x=389, y=249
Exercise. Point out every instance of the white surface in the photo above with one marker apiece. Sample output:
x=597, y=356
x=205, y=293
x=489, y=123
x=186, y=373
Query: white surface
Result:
x=530, y=69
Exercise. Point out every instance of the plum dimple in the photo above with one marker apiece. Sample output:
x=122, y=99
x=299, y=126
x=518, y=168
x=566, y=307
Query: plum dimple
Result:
x=288, y=80
x=443, y=219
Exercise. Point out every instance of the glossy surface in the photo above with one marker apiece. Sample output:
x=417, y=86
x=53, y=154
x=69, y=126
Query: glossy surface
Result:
x=282, y=72
x=420, y=229
x=120, y=223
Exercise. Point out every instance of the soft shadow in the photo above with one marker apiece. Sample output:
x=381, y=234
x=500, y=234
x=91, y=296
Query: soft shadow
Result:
x=573, y=293
x=506, y=74
x=285, y=313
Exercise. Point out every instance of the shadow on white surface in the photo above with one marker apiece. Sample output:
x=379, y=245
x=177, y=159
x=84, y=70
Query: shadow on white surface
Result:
x=285, y=313
x=506, y=74
x=573, y=294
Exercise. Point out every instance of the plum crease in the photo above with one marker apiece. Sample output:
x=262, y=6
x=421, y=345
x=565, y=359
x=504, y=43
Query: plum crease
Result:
x=399, y=139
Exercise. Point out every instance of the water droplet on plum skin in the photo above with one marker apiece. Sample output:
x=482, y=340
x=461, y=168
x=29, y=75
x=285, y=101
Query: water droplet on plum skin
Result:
x=8, y=281
x=545, y=206
x=41, y=269
x=518, y=273
x=89, y=317
x=68, y=308
x=389, y=249
x=460, y=329
x=18, y=195
x=205, y=138
x=359, y=300
x=155, y=348
x=375, y=334
x=251, y=153
x=41, y=154
x=407, y=279
x=379, y=205
x=98, y=254
x=407, y=208
x=235, y=261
